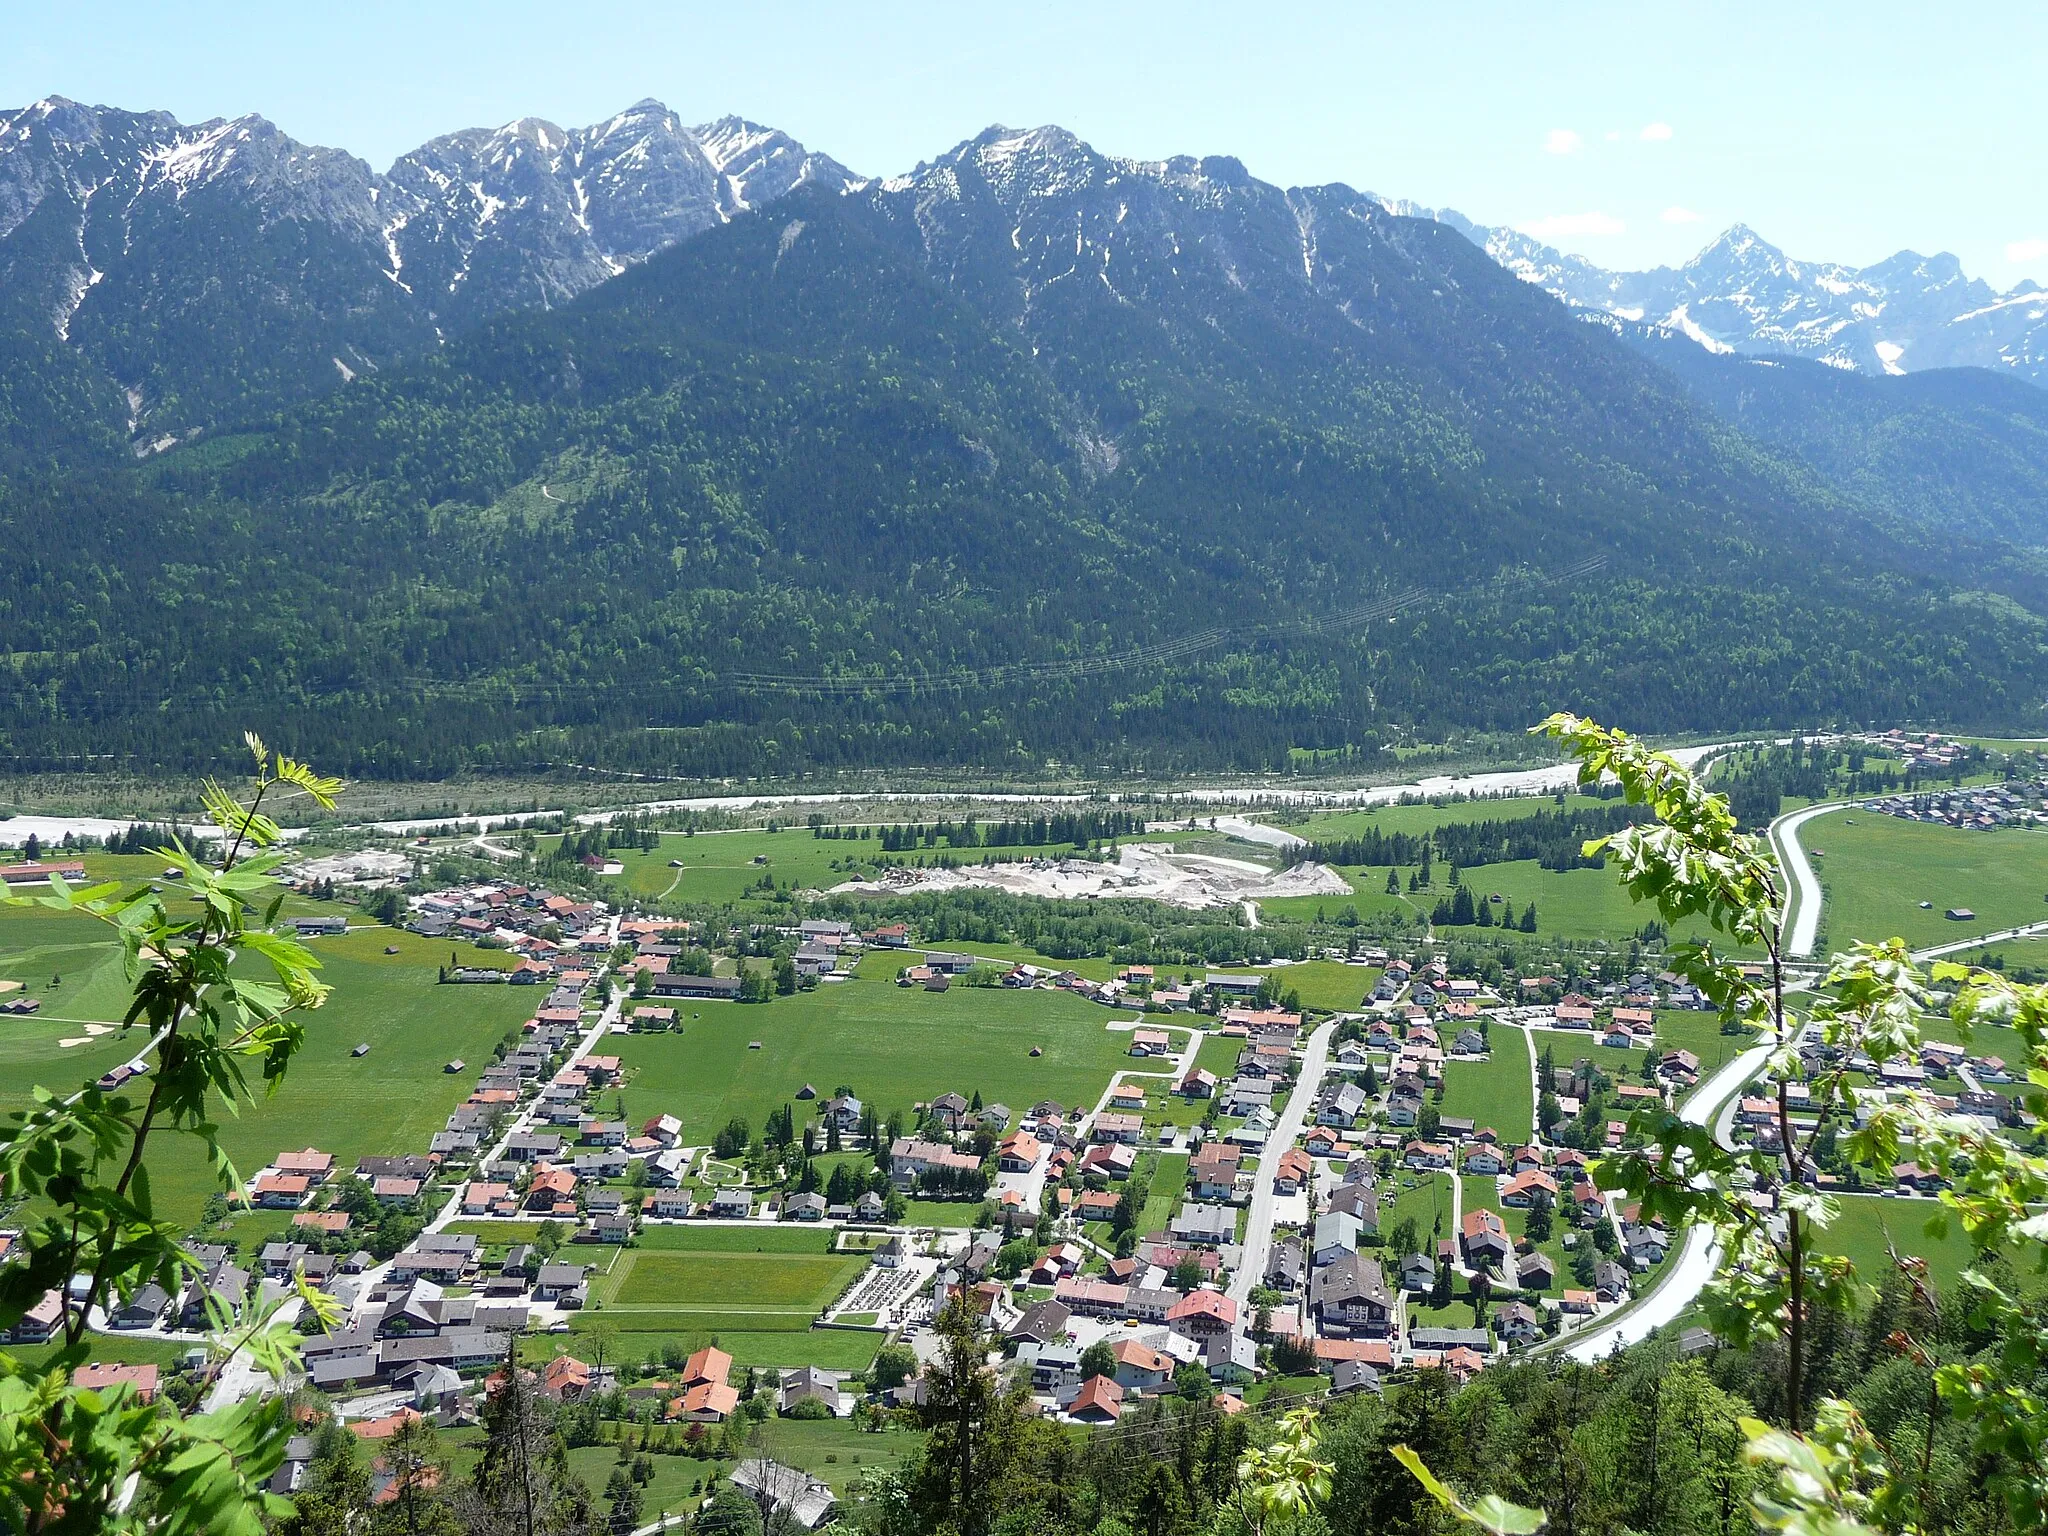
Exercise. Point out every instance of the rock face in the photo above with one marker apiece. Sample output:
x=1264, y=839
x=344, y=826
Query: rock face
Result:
x=182, y=277
x=215, y=269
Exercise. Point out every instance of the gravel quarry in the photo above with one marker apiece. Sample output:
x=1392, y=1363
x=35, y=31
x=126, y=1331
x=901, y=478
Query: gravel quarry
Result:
x=1141, y=872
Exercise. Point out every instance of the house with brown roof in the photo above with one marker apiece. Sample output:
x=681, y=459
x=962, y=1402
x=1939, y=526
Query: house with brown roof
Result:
x=1484, y=1238
x=1100, y=1401
x=1202, y=1314
x=1295, y=1170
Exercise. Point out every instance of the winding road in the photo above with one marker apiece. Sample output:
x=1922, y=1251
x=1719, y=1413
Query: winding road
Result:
x=1803, y=896
x=1684, y=1275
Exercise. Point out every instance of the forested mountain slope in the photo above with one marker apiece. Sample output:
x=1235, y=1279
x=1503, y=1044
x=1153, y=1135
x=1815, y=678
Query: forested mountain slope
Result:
x=1959, y=449
x=1031, y=454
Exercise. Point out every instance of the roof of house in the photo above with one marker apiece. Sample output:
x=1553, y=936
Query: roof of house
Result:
x=1098, y=1394
x=1204, y=1303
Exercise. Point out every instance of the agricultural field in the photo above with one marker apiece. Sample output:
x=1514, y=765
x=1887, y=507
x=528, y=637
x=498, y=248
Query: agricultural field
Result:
x=1496, y=1091
x=831, y=1349
x=892, y=1045
x=1875, y=871
x=749, y=1291
x=391, y=1100
x=1415, y=819
x=1324, y=984
x=1572, y=903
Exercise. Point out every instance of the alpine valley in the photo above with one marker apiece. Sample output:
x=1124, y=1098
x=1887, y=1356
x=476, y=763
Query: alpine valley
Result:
x=687, y=449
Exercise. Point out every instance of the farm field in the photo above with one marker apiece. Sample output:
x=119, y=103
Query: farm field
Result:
x=1325, y=984
x=1368, y=898
x=1494, y=1092
x=1416, y=819
x=751, y=1291
x=1876, y=870
x=391, y=1100
x=832, y=1349
x=892, y=1045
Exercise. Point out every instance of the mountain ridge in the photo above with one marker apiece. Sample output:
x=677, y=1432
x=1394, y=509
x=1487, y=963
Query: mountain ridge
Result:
x=139, y=242
x=1904, y=314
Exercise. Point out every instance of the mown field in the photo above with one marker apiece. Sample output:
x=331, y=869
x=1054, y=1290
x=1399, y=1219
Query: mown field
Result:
x=391, y=1100
x=1326, y=984
x=761, y=1292
x=1494, y=1092
x=1876, y=870
x=892, y=1045
x=1868, y=1222
x=834, y=1451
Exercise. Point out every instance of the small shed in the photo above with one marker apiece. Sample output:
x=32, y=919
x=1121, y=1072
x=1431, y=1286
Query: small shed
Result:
x=362, y=1049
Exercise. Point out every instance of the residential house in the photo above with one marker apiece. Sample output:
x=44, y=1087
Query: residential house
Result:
x=1202, y=1314
x=1350, y=1296
x=808, y=1384
x=1099, y=1401
x=1484, y=1238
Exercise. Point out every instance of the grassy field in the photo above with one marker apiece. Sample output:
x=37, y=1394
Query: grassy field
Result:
x=1416, y=819
x=833, y=1451
x=1494, y=1092
x=832, y=1349
x=892, y=1045
x=390, y=1101
x=754, y=1291
x=1368, y=897
x=1867, y=1221
x=1164, y=1192
x=1580, y=903
x=1322, y=983
x=1572, y=903
x=1876, y=870
x=1426, y=1199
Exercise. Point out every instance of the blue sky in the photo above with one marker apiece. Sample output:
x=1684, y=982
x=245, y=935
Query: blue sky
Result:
x=1630, y=133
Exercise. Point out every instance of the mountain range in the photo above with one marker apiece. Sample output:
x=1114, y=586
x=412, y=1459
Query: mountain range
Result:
x=667, y=449
x=1906, y=314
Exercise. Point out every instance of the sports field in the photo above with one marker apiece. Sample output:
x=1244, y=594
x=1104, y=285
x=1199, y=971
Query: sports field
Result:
x=391, y=1100
x=1876, y=870
x=761, y=1292
x=892, y=1045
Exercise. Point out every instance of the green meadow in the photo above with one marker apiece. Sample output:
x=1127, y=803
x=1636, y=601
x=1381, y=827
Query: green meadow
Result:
x=1875, y=871
x=391, y=1100
x=892, y=1045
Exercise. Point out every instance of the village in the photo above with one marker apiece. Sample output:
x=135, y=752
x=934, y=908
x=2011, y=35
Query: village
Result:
x=1261, y=1197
